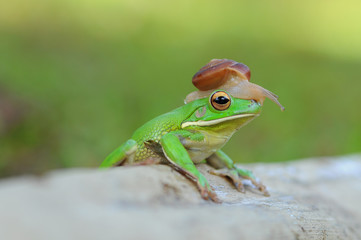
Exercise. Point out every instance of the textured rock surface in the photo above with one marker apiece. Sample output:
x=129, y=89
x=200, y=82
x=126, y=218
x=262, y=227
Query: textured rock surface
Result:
x=310, y=199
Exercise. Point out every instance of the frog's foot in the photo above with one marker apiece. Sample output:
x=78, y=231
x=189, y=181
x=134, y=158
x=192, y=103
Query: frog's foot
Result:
x=178, y=157
x=207, y=192
x=236, y=175
x=262, y=188
x=205, y=189
x=232, y=174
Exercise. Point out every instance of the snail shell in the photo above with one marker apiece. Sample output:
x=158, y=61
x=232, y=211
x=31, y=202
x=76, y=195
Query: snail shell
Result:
x=217, y=72
x=231, y=76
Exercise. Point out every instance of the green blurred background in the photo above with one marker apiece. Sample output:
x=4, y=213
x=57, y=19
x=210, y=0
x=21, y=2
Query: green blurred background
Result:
x=78, y=77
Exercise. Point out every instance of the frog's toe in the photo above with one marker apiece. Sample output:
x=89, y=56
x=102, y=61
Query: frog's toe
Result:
x=233, y=175
x=236, y=175
x=213, y=196
x=246, y=174
x=262, y=188
x=208, y=193
x=239, y=186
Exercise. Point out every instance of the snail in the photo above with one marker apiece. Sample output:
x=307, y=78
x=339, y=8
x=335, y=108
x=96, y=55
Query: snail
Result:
x=231, y=76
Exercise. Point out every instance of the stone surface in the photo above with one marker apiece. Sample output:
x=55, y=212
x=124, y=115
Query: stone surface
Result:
x=310, y=199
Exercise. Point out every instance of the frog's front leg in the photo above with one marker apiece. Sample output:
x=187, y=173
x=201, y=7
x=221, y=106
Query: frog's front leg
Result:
x=226, y=168
x=124, y=153
x=179, y=158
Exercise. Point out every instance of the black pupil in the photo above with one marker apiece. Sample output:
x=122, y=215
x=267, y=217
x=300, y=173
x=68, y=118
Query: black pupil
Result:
x=221, y=100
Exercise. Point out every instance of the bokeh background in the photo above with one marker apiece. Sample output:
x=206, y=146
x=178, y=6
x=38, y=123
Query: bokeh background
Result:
x=78, y=77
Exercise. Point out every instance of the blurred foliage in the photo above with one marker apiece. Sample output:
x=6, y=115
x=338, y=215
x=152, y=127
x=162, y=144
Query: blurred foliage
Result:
x=78, y=77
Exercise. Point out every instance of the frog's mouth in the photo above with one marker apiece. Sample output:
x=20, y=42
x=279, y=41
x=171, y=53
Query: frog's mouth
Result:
x=202, y=123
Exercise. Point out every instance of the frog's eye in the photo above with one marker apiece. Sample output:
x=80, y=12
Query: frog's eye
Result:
x=220, y=100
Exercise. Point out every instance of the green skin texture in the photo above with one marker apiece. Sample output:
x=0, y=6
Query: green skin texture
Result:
x=189, y=135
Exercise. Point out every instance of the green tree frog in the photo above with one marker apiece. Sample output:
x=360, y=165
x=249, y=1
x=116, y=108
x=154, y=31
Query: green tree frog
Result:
x=191, y=134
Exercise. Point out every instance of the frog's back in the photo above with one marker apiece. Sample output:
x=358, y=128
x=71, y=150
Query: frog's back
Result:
x=155, y=129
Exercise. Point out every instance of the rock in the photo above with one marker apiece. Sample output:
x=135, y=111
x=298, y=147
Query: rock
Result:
x=310, y=199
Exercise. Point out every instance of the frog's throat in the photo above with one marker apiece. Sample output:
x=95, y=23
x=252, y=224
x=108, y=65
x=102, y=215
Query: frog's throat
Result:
x=202, y=123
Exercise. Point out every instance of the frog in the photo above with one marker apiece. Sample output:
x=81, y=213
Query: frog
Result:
x=191, y=134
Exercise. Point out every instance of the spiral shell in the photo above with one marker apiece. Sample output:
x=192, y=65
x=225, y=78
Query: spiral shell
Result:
x=232, y=77
x=217, y=72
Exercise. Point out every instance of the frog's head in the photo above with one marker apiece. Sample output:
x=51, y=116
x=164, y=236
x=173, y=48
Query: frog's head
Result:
x=221, y=111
